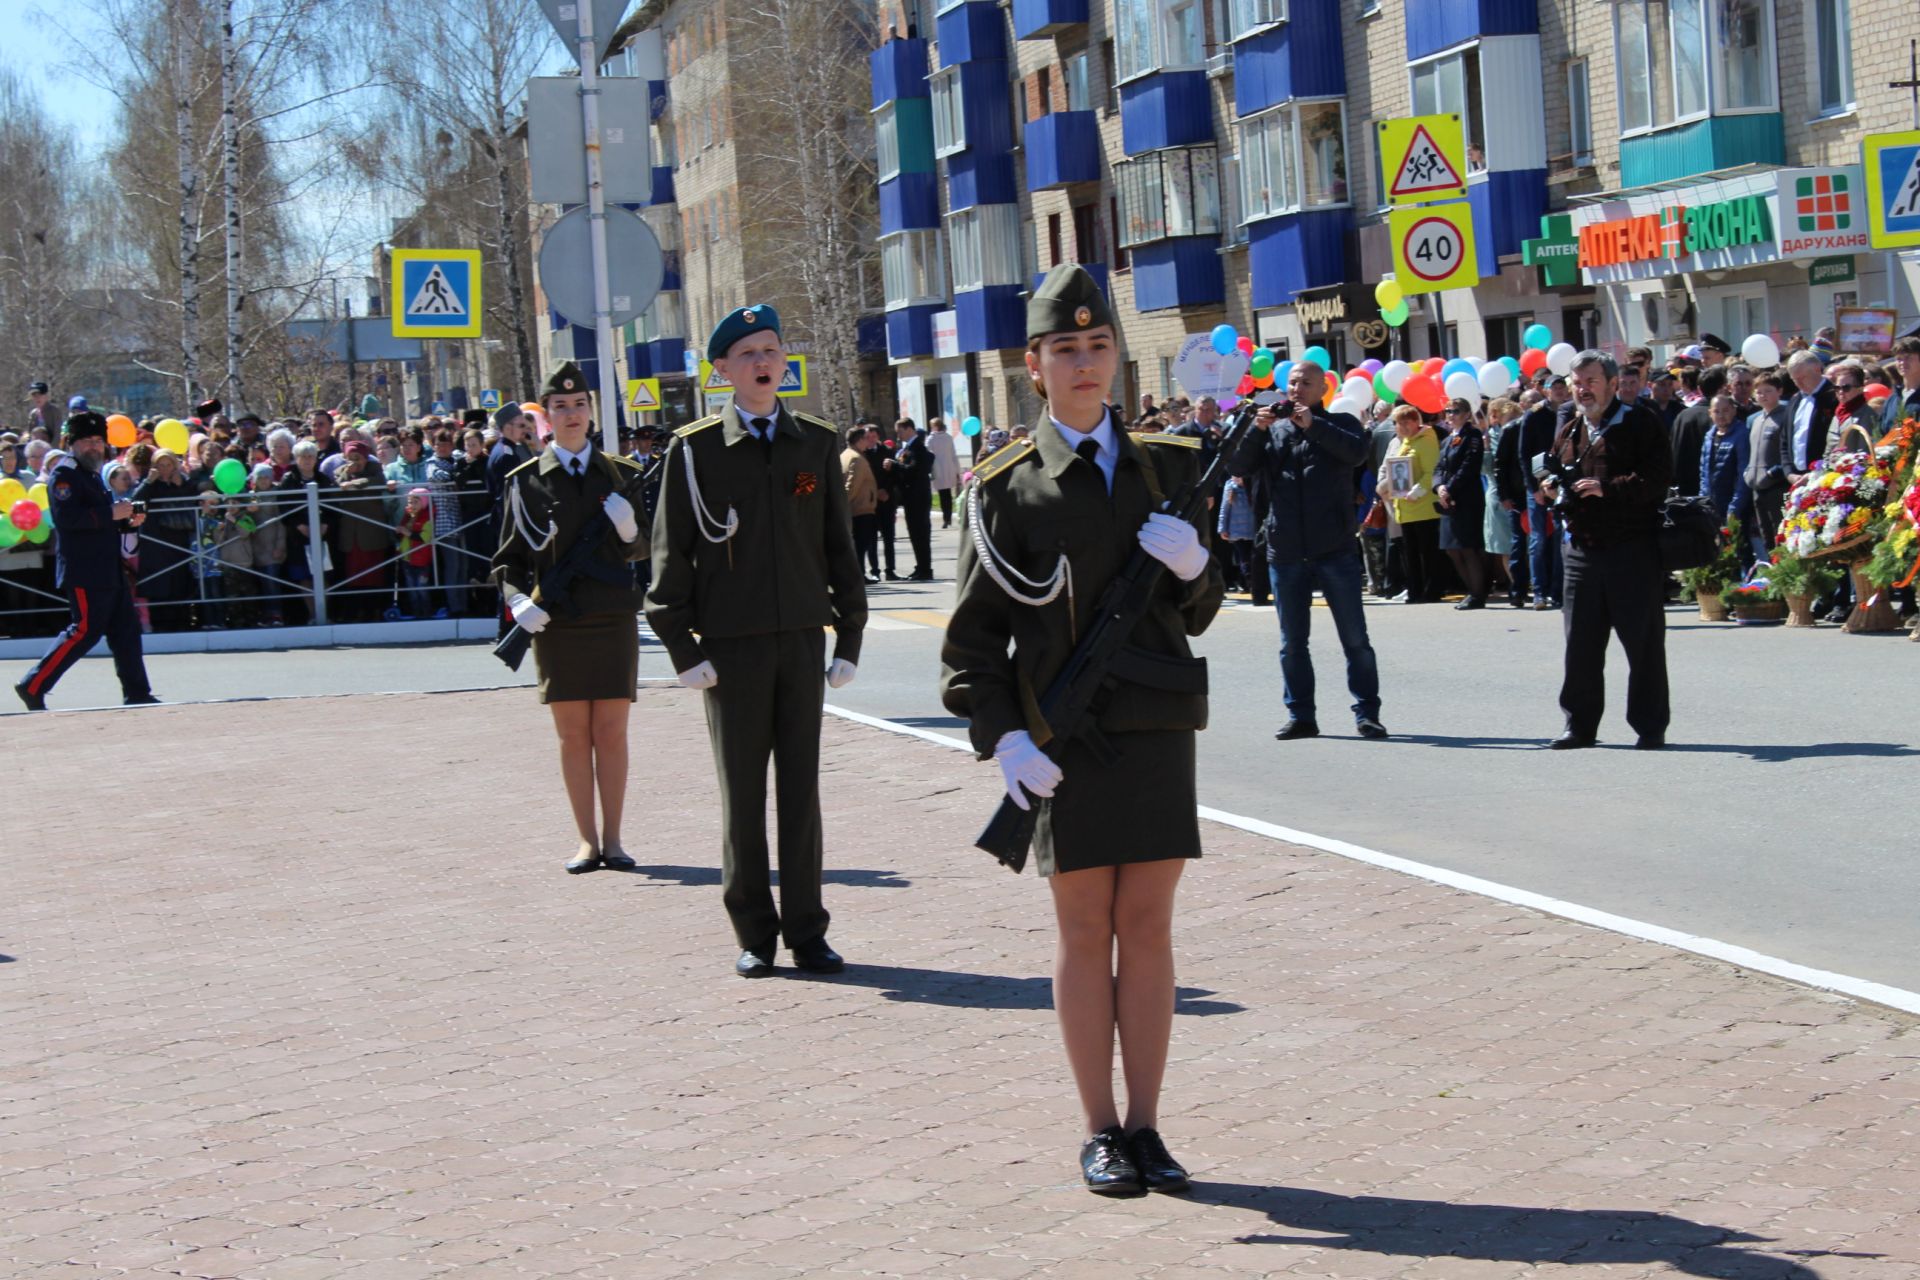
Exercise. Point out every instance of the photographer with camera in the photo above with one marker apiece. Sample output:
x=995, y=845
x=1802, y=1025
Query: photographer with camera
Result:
x=1308, y=459
x=1607, y=474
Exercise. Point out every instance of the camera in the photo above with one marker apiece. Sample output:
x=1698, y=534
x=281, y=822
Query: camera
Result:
x=1548, y=467
x=139, y=506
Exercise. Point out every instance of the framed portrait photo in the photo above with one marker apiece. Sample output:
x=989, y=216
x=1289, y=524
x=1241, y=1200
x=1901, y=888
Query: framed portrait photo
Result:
x=1399, y=477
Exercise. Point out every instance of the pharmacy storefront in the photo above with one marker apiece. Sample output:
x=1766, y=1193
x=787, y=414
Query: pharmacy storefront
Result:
x=1774, y=252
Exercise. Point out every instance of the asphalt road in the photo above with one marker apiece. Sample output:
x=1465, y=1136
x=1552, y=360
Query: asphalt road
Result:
x=1780, y=817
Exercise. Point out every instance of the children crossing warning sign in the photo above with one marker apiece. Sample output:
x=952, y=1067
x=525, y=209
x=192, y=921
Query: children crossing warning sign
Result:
x=436, y=293
x=1893, y=189
x=1427, y=158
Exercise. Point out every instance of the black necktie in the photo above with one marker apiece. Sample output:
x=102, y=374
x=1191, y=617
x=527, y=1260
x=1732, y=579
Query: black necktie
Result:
x=1089, y=449
x=578, y=468
x=763, y=432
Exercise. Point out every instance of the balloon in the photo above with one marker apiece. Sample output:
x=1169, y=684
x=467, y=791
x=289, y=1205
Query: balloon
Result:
x=1388, y=294
x=1560, y=358
x=1262, y=363
x=1424, y=394
x=1319, y=356
x=1224, y=339
x=1463, y=386
x=1382, y=390
x=1395, y=374
x=1475, y=361
x=1533, y=362
x=9, y=536
x=38, y=496
x=1328, y=396
x=1263, y=380
x=173, y=436
x=25, y=516
x=1355, y=372
x=1395, y=316
x=230, y=475
x=1513, y=366
x=1877, y=390
x=1283, y=372
x=1453, y=366
x=11, y=491
x=1494, y=380
x=121, y=433
x=1371, y=366
x=1244, y=346
x=1537, y=337
x=41, y=533
x=1760, y=351
x=1436, y=368
x=1347, y=405
x=1247, y=385
x=1358, y=388
x=970, y=426
x=1227, y=403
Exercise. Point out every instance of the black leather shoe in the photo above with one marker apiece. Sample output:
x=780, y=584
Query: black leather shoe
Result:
x=894, y=577
x=1472, y=602
x=143, y=700
x=752, y=964
x=1571, y=741
x=614, y=858
x=1297, y=729
x=921, y=577
x=585, y=860
x=1368, y=727
x=33, y=700
x=1651, y=742
x=1107, y=1165
x=817, y=957
x=1159, y=1170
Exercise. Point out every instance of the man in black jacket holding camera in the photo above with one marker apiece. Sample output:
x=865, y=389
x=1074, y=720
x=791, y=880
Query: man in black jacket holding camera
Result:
x=1608, y=471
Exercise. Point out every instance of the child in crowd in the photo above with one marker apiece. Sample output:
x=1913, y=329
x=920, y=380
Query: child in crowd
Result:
x=211, y=528
x=416, y=551
x=269, y=539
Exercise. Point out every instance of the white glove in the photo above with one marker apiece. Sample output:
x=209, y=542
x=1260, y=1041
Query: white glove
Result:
x=1176, y=544
x=1416, y=493
x=700, y=677
x=840, y=674
x=620, y=511
x=527, y=615
x=1022, y=764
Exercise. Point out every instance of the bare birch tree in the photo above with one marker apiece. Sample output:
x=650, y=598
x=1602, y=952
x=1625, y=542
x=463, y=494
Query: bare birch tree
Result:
x=43, y=238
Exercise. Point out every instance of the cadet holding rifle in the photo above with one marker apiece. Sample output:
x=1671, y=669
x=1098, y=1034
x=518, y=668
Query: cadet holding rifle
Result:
x=1049, y=523
x=586, y=638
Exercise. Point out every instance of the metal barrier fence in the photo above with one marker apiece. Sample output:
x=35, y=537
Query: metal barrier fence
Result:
x=197, y=562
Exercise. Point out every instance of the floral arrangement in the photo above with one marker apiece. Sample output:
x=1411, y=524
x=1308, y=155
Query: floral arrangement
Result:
x=1840, y=507
x=1794, y=575
x=1896, y=560
x=1758, y=591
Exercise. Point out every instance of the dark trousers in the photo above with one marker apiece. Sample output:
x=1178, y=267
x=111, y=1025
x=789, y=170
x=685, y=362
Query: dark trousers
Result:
x=1420, y=560
x=946, y=508
x=1517, y=556
x=103, y=613
x=1543, y=551
x=866, y=534
x=1769, y=509
x=918, y=509
x=1338, y=578
x=1618, y=590
x=767, y=706
x=883, y=522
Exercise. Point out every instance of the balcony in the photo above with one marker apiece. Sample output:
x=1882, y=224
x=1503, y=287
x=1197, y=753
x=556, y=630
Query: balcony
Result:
x=1043, y=19
x=973, y=32
x=1062, y=148
x=1165, y=109
x=1507, y=208
x=1298, y=59
x=1702, y=146
x=899, y=70
x=910, y=330
x=1098, y=270
x=662, y=185
x=1437, y=25
x=991, y=319
x=1297, y=251
x=909, y=202
x=980, y=176
x=1184, y=272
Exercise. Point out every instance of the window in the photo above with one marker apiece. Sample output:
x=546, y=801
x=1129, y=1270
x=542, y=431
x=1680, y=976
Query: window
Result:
x=1183, y=37
x=886, y=136
x=1833, y=50
x=1250, y=15
x=1232, y=226
x=1121, y=262
x=1636, y=79
x=1133, y=37
x=949, y=121
x=912, y=269
x=1163, y=36
x=1293, y=157
x=1168, y=193
x=666, y=318
x=1108, y=69
x=1451, y=85
x=1078, y=72
x=985, y=242
x=1043, y=90
x=1743, y=56
x=1662, y=56
x=1086, y=233
x=1579, y=114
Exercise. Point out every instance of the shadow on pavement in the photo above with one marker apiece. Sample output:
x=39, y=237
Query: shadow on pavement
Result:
x=1779, y=754
x=930, y=722
x=1508, y=1233
x=993, y=991
x=703, y=877
x=6, y=959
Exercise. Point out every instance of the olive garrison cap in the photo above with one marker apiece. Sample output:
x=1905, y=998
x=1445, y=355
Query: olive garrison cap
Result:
x=739, y=323
x=566, y=380
x=1067, y=301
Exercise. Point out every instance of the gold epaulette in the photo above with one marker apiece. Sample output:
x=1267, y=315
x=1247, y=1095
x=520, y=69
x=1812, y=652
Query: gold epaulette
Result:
x=1167, y=437
x=701, y=425
x=1002, y=460
x=821, y=423
x=523, y=466
x=624, y=461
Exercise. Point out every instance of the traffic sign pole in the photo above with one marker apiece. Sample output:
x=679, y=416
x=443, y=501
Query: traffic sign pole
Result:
x=597, y=223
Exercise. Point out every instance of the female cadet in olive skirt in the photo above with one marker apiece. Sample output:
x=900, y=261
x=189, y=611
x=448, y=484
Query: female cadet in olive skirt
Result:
x=587, y=655
x=1048, y=522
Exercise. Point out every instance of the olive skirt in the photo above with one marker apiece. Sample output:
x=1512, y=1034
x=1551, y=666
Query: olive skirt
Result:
x=1141, y=808
x=594, y=656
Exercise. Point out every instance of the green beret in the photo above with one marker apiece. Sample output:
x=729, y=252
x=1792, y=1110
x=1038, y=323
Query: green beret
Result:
x=1067, y=301
x=739, y=323
x=567, y=380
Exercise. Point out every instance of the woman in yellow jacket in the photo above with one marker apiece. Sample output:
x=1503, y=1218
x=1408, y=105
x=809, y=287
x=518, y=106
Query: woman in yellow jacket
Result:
x=1413, y=507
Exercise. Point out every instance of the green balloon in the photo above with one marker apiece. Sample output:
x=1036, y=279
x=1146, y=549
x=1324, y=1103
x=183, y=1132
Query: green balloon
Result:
x=9, y=535
x=230, y=476
x=1380, y=388
x=41, y=532
x=1395, y=316
x=1262, y=364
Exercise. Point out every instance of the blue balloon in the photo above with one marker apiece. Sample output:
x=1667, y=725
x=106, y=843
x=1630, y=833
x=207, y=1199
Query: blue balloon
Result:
x=1319, y=356
x=971, y=427
x=1513, y=366
x=1537, y=337
x=1453, y=366
x=1225, y=339
x=1281, y=372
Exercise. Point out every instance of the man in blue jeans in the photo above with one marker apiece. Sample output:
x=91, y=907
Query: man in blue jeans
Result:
x=1309, y=459
x=1543, y=532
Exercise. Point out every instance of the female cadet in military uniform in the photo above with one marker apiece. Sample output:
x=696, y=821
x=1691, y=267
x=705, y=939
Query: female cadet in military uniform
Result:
x=586, y=649
x=1048, y=522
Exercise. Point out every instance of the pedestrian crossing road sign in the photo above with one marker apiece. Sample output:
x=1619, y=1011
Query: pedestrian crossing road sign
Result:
x=1433, y=247
x=643, y=394
x=714, y=383
x=489, y=399
x=1427, y=158
x=436, y=293
x=1893, y=189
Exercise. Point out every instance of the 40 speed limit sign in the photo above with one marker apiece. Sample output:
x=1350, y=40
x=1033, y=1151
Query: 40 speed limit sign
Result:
x=1433, y=247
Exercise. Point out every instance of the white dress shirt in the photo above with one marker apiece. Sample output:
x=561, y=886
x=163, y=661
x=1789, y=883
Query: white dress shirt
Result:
x=567, y=459
x=1803, y=427
x=1102, y=435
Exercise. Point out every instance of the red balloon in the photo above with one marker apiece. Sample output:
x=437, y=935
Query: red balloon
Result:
x=1244, y=345
x=1356, y=373
x=1532, y=362
x=25, y=515
x=1877, y=389
x=1246, y=386
x=1435, y=365
x=1424, y=393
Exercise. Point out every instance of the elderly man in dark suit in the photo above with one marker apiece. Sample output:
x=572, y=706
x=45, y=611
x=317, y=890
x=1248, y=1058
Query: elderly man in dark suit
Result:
x=1812, y=407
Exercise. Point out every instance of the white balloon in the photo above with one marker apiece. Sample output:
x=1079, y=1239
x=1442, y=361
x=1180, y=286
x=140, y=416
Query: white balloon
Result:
x=1560, y=359
x=1463, y=386
x=1395, y=374
x=1358, y=389
x=1495, y=380
x=1347, y=404
x=1760, y=351
x=1475, y=361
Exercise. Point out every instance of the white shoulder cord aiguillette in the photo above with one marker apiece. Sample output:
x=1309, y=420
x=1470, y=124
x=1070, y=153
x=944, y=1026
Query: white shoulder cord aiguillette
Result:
x=703, y=519
x=517, y=507
x=999, y=569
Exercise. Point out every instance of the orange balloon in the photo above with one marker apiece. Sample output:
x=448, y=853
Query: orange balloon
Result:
x=1326, y=401
x=530, y=407
x=121, y=432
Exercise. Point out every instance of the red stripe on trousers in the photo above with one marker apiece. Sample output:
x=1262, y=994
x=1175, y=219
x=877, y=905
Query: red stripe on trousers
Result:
x=59, y=655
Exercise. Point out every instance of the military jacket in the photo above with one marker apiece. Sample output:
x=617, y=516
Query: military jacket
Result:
x=788, y=562
x=545, y=492
x=1036, y=501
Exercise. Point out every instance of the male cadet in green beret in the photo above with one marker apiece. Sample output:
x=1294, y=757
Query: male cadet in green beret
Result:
x=752, y=558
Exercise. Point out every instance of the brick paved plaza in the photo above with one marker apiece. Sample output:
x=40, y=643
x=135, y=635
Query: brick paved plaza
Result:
x=342, y=1014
